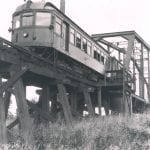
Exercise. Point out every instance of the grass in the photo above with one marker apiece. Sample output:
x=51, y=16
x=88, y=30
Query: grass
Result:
x=101, y=133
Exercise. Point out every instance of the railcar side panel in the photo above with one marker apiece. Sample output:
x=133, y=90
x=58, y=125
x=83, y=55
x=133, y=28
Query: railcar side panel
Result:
x=85, y=59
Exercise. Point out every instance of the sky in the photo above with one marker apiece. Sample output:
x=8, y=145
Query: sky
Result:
x=94, y=16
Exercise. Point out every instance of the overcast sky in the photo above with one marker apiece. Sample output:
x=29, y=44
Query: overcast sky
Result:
x=94, y=16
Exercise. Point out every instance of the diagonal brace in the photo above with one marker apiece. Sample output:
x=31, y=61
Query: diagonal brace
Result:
x=13, y=79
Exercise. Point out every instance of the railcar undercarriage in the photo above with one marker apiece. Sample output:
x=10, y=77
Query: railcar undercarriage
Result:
x=68, y=64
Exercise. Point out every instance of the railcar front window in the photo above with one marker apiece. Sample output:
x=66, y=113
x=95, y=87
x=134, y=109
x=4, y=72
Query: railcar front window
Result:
x=43, y=19
x=16, y=22
x=27, y=19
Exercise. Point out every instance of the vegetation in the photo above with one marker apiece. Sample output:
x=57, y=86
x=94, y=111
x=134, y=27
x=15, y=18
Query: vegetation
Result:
x=101, y=133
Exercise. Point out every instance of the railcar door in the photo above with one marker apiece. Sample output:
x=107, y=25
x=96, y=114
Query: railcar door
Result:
x=65, y=36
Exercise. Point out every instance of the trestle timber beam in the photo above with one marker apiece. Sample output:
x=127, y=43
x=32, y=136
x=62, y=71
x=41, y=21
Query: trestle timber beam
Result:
x=73, y=99
x=46, y=68
x=65, y=104
x=3, y=131
x=88, y=101
x=65, y=77
x=13, y=124
x=45, y=97
x=18, y=73
x=106, y=105
x=7, y=102
x=24, y=117
x=99, y=96
x=54, y=105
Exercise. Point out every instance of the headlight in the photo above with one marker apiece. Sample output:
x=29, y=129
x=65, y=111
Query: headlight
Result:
x=25, y=35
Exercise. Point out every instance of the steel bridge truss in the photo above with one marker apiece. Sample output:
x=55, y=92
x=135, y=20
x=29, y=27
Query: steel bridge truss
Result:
x=130, y=53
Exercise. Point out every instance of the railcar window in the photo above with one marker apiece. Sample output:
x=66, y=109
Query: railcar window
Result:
x=102, y=59
x=27, y=19
x=16, y=22
x=43, y=19
x=84, y=45
x=98, y=56
x=58, y=26
x=78, y=40
x=72, y=36
x=95, y=54
x=89, y=48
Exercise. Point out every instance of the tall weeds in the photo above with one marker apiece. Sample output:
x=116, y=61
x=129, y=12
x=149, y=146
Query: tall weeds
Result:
x=101, y=133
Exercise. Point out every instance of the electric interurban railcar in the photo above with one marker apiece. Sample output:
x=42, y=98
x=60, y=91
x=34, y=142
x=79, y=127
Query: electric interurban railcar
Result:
x=42, y=25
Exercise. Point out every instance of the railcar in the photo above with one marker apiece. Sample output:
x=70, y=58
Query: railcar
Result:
x=44, y=29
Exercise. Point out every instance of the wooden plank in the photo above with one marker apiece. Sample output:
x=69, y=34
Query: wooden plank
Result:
x=54, y=105
x=61, y=75
x=74, y=103
x=13, y=79
x=50, y=94
x=25, y=120
x=13, y=124
x=88, y=101
x=106, y=105
x=3, y=132
x=7, y=102
x=45, y=99
x=65, y=104
x=99, y=96
x=73, y=98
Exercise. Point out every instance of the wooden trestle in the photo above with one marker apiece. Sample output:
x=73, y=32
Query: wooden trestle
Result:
x=69, y=93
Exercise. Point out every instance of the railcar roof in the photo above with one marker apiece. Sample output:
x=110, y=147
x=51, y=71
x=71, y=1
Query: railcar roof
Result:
x=35, y=5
